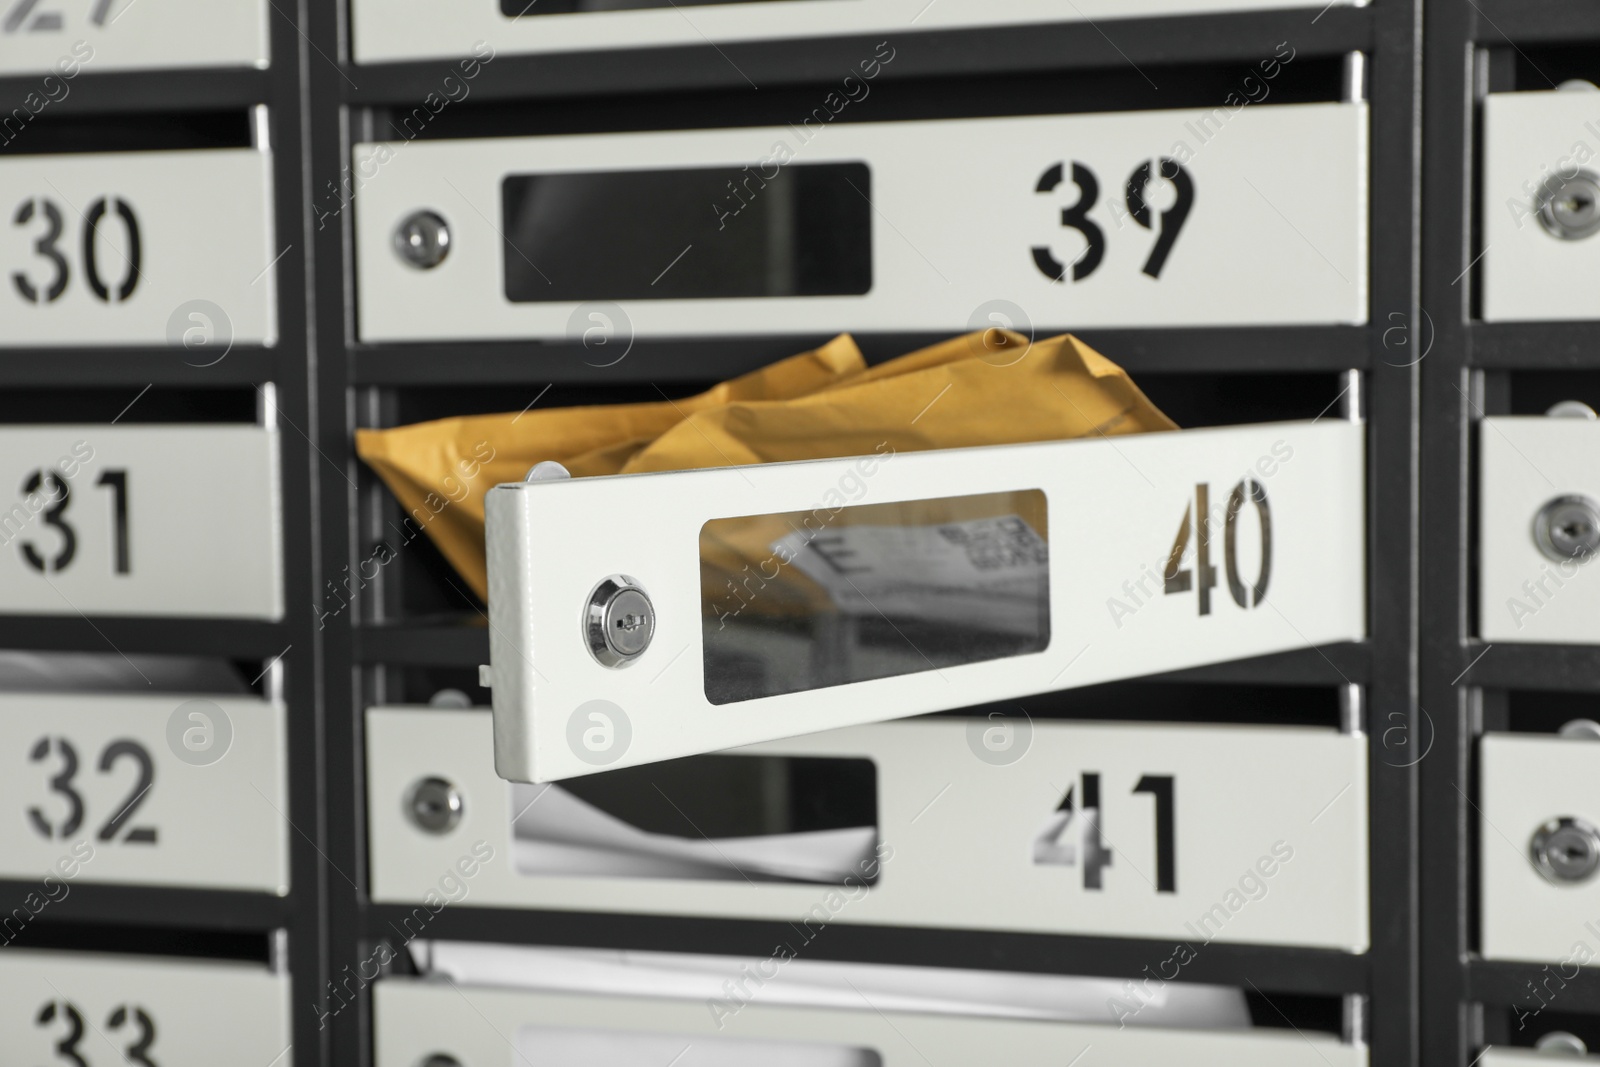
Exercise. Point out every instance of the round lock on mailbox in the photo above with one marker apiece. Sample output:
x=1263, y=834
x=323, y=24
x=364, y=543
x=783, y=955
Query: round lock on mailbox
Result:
x=1561, y=1043
x=422, y=240
x=618, y=621
x=433, y=805
x=1569, y=208
x=1568, y=527
x=1566, y=849
x=440, y=1059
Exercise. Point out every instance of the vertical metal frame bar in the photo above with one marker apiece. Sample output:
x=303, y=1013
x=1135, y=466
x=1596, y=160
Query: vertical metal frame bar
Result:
x=301, y=664
x=1392, y=470
x=1448, y=1022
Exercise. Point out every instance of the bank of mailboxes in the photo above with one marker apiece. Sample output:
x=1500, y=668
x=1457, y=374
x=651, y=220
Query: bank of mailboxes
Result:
x=86, y=1008
x=1241, y=834
x=1541, y=204
x=1538, y=528
x=573, y=1008
x=175, y=790
x=389, y=30
x=1155, y=218
x=148, y=520
x=63, y=39
x=139, y=248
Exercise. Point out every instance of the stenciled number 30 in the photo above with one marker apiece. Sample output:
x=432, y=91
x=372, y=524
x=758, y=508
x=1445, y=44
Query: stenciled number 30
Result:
x=1077, y=218
x=46, y=247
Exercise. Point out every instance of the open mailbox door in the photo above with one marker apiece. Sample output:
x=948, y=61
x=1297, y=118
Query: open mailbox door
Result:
x=641, y=617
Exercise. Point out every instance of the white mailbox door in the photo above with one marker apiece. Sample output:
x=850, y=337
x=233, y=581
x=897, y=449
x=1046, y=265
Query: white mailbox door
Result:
x=140, y=520
x=1538, y=529
x=175, y=790
x=63, y=39
x=139, y=248
x=1541, y=244
x=1236, y=834
x=80, y=1007
x=1533, y=787
x=387, y=30
x=788, y=598
x=414, y=1018
x=1154, y=218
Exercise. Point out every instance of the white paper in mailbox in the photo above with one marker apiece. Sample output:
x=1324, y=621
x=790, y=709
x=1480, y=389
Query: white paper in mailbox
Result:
x=558, y=833
x=820, y=984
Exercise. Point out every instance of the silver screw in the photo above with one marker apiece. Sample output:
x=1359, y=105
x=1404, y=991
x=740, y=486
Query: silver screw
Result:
x=1569, y=208
x=1566, y=849
x=1567, y=527
x=619, y=621
x=433, y=805
x=422, y=239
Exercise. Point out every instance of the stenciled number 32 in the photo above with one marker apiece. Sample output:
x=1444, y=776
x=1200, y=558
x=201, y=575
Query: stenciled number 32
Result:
x=1076, y=217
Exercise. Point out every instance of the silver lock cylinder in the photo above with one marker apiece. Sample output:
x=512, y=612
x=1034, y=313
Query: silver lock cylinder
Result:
x=1568, y=527
x=1561, y=1043
x=1569, y=208
x=434, y=805
x=1566, y=849
x=422, y=240
x=618, y=621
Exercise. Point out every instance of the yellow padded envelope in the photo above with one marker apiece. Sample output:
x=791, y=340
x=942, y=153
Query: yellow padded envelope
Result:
x=983, y=389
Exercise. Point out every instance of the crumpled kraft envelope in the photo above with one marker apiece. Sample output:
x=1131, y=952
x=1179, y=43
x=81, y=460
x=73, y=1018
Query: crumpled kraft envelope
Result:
x=985, y=388
x=440, y=471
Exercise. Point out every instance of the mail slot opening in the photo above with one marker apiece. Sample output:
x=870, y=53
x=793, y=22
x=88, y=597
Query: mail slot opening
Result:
x=715, y=818
x=762, y=230
x=811, y=599
x=517, y=8
x=553, y=1046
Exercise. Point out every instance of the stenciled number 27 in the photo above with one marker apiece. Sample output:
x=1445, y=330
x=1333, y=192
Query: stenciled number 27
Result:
x=50, y=282
x=1134, y=193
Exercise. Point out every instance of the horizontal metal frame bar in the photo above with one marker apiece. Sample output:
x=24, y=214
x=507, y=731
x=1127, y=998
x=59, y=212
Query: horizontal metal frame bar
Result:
x=1535, y=345
x=1500, y=22
x=159, y=906
x=121, y=92
x=79, y=367
x=1562, y=668
x=1192, y=39
x=233, y=638
x=1286, y=349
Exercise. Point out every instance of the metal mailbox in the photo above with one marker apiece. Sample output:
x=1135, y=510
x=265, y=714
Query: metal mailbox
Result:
x=1538, y=529
x=177, y=790
x=966, y=810
x=1539, y=849
x=891, y=585
x=62, y=39
x=153, y=520
x=389, y=30
x=1154, y=218
x=80, y=1007
x=1541, y=205
x=139, y=248
x=473, y=1025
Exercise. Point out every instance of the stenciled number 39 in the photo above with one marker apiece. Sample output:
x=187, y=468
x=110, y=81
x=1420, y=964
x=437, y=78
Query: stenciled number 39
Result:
x=1077, y=218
